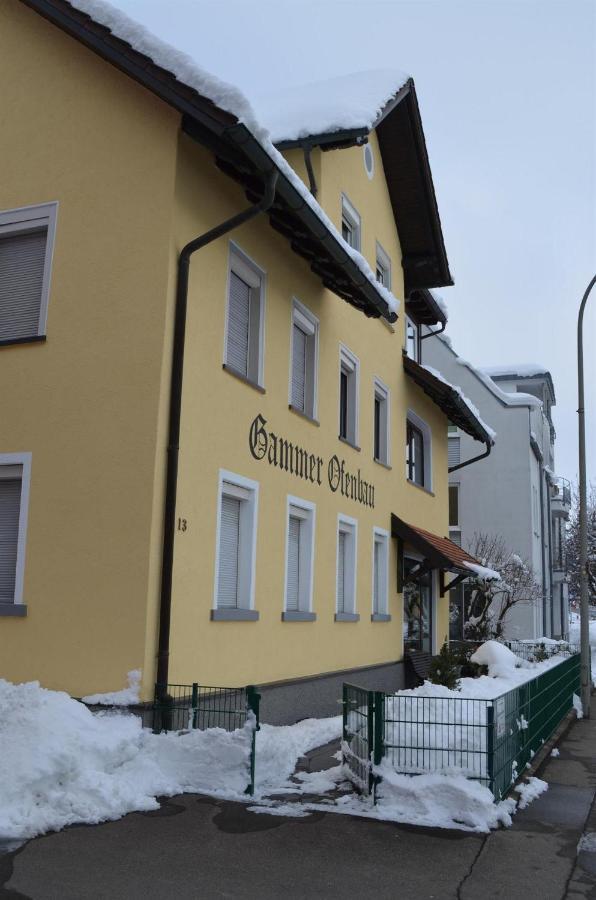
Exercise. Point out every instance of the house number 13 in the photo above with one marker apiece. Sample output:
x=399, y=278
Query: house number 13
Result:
x=182, y=524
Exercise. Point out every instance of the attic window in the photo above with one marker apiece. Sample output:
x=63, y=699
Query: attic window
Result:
x=350, y=223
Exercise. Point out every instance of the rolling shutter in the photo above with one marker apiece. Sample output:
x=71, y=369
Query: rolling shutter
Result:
x=293, y=589
x=22, y=257
x=341, y=572
x=238, y=324
x=453, y=452
x=10, y=506
x=229, y=546
x=299, y=340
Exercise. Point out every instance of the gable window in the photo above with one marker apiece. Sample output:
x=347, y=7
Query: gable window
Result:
x=14, y=491
x=245, y=318
x=236, y=546
x=348, y=396
x=299, y=561
x=346, y=571
x=383, y=267
x=350, y=223
x=380, y=575
x=381, y=423
x=418, y=451
x=304, y=360
x=26, y=245
x=412, y=339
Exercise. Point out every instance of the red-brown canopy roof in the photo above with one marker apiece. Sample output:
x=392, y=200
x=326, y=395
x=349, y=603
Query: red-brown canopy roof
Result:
x=440, y=552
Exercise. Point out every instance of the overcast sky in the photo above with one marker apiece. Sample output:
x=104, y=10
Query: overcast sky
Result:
x=507, y=92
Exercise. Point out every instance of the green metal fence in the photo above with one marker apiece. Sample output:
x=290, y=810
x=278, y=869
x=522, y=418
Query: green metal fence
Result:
x=488, y=740
x=182, y=707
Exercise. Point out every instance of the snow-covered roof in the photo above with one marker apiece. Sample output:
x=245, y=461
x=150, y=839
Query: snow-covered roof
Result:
x=440, y=301
x=520, y=370
x=345, y=103
x=473, y=409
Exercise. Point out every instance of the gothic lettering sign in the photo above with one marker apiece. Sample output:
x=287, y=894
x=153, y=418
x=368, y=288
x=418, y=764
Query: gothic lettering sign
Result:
x=264, y=444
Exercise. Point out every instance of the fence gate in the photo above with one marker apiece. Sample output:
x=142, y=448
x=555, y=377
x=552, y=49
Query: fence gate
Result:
x=362, y=735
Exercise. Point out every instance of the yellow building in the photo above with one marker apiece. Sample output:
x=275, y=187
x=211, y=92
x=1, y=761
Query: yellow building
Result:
x=215, y=458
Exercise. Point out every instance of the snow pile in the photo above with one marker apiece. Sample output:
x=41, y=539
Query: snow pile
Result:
x=280, y=746
x=473, y=409
x=577, y=705
x=126, y=697
x=530, y=790
x=345, y=102
x=483, y=572
x=61, y=764
x=498, y=658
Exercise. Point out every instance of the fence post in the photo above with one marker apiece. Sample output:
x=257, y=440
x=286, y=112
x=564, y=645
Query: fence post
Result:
x=370, y=737
x=379, y=735
x=490, y=747
x=253, y=699
x=195, y=705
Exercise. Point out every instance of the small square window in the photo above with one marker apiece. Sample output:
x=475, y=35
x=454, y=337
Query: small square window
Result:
x=383, y=267
x=304, y=360
x=350, y=223
x=381, y=423
x=245, y=318
x=348, y=396
x=26, y=245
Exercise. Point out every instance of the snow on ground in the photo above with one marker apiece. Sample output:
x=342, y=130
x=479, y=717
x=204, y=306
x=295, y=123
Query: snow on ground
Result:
x=126, y=697
x=529, y=790
x=574, y=638
x=280, y=746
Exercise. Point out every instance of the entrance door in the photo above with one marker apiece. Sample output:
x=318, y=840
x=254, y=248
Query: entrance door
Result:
x=417, y=608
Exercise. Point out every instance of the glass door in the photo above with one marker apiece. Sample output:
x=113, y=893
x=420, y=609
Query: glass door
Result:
x=417, y=608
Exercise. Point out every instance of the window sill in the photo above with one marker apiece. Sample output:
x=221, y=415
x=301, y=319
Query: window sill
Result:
x=234, y=615
x=380, y=617
x=349, y=443
x=13, y=609
x=298, y=616
x=34, y=339
x=347, y=617
x=304, y=415
x=253, y=384
x=421, y=487
x=380, y=462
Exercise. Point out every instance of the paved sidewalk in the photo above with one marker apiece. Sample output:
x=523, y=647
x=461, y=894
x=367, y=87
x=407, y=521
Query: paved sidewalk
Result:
x=196, y=847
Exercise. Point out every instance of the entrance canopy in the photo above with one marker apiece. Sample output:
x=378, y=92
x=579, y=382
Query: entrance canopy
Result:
x=436, y=552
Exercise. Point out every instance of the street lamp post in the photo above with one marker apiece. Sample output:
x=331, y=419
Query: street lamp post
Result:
x=586, y=686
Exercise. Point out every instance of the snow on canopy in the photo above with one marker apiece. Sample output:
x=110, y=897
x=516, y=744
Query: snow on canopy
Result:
x=228, y=97
x=336, y=104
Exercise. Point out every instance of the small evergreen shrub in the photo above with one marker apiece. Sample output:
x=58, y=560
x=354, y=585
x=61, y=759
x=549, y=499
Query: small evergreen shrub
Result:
x=445, y=668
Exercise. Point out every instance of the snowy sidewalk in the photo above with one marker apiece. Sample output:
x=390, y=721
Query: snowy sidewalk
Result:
x=200, y=846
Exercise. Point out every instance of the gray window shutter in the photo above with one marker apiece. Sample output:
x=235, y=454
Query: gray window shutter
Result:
x=238, y=324
x=10, y=506
x=229, y=546
x=22, y=258
x=453, y=452
x=299, y=345
x=293, y=591
x=341, y=572
x=377, y=577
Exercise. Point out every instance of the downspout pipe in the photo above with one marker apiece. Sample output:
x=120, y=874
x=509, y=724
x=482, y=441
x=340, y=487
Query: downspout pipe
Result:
x=176, y=380
x=468, y=462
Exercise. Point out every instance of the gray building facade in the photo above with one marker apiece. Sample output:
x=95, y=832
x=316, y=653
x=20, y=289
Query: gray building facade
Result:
x=514, y=493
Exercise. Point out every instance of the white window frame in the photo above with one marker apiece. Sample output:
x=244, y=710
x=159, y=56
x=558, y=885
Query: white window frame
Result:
x=24, y=218
x=428, y=448
x=383, y=262
x=352, y=217
x=306, y=511
x=381, y=536
x=350, y=363
x=242, y=265
x=23, y=460
x=233, y=485
x=308, y=322
x=350, y=527
x=409, y=321
x=382, y=392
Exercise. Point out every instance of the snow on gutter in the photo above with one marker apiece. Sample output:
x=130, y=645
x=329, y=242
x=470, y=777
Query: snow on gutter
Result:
x=473, y=409
x=228, y=98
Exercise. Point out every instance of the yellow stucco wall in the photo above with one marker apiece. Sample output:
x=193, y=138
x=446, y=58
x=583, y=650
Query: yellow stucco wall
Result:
x=85, y=403
x=218, y=410
x=91, y=403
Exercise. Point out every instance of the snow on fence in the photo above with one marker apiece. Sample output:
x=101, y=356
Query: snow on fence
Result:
x=489, y=740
